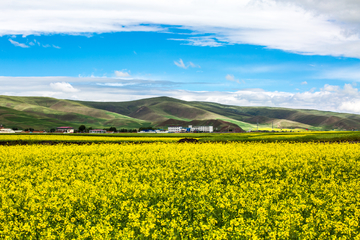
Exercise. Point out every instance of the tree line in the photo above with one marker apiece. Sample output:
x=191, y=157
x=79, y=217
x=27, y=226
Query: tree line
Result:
x=84, y=129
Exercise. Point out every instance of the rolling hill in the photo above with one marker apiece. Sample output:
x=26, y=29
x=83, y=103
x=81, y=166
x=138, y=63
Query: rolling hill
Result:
x=45, y=113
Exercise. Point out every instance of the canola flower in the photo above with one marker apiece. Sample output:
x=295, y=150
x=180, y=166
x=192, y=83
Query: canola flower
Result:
x=180, y=191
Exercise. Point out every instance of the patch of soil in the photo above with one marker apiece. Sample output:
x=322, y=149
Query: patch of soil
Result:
x=353, y=142
x=188, y=140
x=12, y=143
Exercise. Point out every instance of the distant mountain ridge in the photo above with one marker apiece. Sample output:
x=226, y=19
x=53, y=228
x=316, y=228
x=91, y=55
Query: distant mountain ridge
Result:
x=46, y=113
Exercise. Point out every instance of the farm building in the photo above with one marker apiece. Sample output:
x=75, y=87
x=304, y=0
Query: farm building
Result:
x=175, y=129
x=65, y=129
x=97, y=131
x=208, y=129
x=6, y=130
x=33, y=131
x=153, y=131
x=161, y=131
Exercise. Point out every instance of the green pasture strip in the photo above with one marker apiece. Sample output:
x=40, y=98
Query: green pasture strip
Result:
x=244, y=125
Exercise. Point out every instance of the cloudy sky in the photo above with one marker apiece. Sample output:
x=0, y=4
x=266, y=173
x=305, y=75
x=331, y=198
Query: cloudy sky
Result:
x=298, y=53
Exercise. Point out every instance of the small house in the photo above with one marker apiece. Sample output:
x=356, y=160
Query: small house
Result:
x=175, y=129
x=65, y=129
x=6, y=130
x=97, y=131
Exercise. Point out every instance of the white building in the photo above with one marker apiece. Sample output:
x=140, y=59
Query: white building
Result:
x=153, y=131
x=174, y=129
x=6, y=130
x=147, y=131
x=161, y=131
x=208, y=129
x=65, y=129
x=97, y=131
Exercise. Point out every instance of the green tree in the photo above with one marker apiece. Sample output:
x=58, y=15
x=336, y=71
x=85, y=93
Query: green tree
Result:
x=146, y=128
x=82, y=128
x=113, y=129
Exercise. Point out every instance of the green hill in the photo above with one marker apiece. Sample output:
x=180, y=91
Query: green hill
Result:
x=160, y=109
x=303, y=118
x=44, y=113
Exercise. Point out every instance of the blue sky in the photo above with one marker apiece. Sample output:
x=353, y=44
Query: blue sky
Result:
x=252, y=53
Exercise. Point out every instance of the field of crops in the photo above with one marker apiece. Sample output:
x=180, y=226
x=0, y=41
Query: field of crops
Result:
x=29, y=138
x=175, y=191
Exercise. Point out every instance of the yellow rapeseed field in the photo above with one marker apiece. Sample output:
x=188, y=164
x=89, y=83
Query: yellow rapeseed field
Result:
x=180, y=191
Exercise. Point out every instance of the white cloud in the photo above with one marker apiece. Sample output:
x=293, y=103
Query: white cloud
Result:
x=193, y=65
x=204, y=41
x=345, y=11
x=350, y=106
x=64, y=87
x=181, y=64
x=329, y=27
x=122, y=73
x=304, y=83
x=17, y=44
x=33, y=43
x=331, y=88
x=351, y=73
x=232, y=78
x=115, y=84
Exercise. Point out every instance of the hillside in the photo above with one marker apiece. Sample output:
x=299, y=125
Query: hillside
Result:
x=46, y=113
x=160, y=109
x=285, y=117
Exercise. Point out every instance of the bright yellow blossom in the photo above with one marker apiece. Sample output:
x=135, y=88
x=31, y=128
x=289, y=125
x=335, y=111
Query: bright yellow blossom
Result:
x=180, y=191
